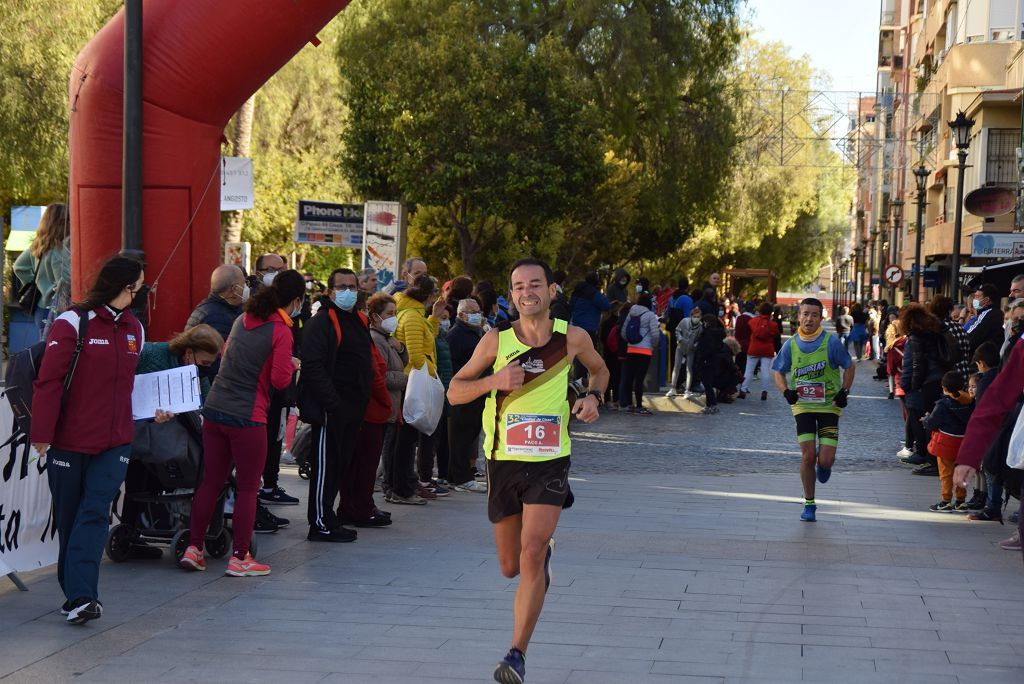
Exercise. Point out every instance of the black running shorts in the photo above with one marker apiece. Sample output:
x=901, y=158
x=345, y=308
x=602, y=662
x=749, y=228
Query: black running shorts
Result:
x=823, y=425
x=510, y=484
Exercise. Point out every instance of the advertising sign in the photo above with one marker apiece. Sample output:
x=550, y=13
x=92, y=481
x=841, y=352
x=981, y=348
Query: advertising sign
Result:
x=236, y=184
x=239, y=254
x=382, y=232
x=329, y=225
x=998, y=245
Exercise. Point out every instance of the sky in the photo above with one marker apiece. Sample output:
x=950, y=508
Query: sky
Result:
x=839, y=36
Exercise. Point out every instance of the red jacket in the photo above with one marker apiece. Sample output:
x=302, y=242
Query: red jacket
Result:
x=987, y=420
x=97, y=413
x=762, y=336
x=379, y=409
x=742, y=331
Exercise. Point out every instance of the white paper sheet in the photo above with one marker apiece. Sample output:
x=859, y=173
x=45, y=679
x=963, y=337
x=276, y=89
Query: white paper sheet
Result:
x=175, y=390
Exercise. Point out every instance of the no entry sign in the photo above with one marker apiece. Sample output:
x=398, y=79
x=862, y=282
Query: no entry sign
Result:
x=893, y=274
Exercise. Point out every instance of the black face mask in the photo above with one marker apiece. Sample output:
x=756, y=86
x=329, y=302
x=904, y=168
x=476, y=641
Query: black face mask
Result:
x=204, y=371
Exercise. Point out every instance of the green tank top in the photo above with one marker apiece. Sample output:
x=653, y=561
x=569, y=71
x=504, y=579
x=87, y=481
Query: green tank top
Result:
x=815, y=380
x=531, y=423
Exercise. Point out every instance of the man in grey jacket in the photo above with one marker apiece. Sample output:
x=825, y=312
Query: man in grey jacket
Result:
x=687, y=332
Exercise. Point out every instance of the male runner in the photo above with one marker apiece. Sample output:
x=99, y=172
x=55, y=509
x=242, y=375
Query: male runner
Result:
x=817, y=394
x=526, y=423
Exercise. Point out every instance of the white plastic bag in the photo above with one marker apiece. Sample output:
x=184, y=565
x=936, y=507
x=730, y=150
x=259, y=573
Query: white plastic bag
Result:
x=1015, y=453
x=424, y=400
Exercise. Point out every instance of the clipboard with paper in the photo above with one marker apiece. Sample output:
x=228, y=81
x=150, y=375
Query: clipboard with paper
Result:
x=175, y=390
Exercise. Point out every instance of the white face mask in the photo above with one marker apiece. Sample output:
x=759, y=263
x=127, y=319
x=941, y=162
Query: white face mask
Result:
x=245, y=293
x=389, y=325
x=268, y=278
x=475, y=319
x=446, y=325
x=977, y=304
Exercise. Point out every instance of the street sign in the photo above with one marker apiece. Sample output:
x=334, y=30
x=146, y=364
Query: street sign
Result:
x=382, y=239
x=893, y=274
x=329, y=224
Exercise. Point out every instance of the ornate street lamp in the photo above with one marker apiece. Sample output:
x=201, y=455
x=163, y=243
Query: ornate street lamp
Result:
x=921, y=176
x=879, y=229
x=897, y=223
x=961, y=128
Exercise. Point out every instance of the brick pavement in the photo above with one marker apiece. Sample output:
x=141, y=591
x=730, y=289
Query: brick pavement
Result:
x=662, y=574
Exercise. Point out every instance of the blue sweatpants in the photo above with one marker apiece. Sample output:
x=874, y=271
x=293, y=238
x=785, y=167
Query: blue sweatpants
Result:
x=83, y=487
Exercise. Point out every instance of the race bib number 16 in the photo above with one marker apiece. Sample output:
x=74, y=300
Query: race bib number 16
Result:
x=528, y=434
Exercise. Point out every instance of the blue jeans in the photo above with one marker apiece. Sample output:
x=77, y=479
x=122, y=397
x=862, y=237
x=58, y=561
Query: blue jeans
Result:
x=994, y=502
x=40, y=316
x=83, y=487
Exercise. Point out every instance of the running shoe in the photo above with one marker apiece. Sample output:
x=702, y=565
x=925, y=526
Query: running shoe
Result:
x=742, y=394
x=413, y=500
x=928, y=469
x=81, y=611
x=277, y=496
x=246, y=567
x=193, y=559
x=904, y=453
x=643, y=411
x=425, y=493
x=436, y=487
x=960, y=506
x=978, y=501
x=1011, y=544
x=823, y=473
x=66, y=608
x=709, y=410
x=472, y=486
x=986, y=516
x=512, y=668
x=337, y=535
x=914, y=460
x=809, y=513
x=942, y=507
x=264, y=523
x=764, y=396
x=547, y=563
x=671, y=393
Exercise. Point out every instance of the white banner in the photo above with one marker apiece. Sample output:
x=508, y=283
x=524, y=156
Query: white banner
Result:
x=237, y=189
x=382, y=232
x=997, y=245
x=28, y=539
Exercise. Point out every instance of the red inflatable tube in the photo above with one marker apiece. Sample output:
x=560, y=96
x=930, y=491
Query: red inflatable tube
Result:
x=202, y=60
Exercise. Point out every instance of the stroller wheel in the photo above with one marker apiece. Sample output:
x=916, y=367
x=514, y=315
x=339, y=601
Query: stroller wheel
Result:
x=179, y=545
x=304, y=470
x=220, y=546
x=119, y=542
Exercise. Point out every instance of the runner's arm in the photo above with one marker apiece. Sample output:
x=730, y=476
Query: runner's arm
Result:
x=467, y=384
x=848, y=375
x=780, y=380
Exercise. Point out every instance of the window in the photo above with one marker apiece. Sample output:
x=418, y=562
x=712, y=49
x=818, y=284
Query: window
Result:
x=1001, y=165
x=1002, y=34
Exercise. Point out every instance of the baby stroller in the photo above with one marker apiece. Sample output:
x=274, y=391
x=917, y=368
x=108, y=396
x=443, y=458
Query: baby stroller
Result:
x=164, y=472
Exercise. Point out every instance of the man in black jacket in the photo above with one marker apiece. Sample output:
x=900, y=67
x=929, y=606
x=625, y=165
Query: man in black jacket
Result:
x=334, y=390
x=988, y=322
x=223, y=305
x=464, y=419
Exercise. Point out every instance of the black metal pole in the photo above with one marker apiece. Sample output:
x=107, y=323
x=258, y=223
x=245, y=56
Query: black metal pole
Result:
x=871, y=265
x=918, y=236
x=954, y=285
x=131, y=165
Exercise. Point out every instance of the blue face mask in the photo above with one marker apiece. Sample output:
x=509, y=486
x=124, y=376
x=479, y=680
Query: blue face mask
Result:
x=345, y=299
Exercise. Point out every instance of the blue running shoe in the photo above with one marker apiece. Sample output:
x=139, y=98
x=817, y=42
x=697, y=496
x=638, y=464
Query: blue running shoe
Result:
x=512, y=668
x=823, y=473
x=808, y=514
x=547, y=563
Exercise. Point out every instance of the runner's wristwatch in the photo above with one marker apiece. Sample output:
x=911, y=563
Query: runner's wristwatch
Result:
x=597, y=395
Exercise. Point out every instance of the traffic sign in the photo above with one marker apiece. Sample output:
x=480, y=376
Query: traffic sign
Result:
x=893, y=274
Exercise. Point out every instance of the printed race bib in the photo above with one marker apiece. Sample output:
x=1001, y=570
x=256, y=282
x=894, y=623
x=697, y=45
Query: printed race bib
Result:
x=811, y=392
x=528, y=434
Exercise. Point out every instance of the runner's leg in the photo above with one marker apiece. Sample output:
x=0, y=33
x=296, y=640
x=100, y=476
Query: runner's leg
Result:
x=508, y=534
x=538, y=525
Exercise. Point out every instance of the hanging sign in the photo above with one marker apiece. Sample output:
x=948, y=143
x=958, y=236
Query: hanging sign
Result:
x=236, y=184
x=382, y=230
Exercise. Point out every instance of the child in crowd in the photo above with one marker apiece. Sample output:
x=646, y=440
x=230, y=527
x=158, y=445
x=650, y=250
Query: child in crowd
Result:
x=948, y=423
x=987, y=501
x=986, y=358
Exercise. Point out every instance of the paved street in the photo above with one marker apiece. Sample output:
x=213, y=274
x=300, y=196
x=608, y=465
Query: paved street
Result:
x=683, y=560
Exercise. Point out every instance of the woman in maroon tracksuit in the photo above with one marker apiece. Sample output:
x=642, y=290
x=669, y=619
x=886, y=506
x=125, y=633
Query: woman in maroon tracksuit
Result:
x=86, y=430
x=257, y=356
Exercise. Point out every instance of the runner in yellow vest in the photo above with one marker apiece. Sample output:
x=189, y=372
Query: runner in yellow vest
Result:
x=526, y=422
x=821, y=374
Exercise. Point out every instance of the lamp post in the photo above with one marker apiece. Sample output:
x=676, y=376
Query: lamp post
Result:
x=878, y=230
x=921, y=176
x=961, y=128
x=864, y=267
x=845, y=278
x=897, y=222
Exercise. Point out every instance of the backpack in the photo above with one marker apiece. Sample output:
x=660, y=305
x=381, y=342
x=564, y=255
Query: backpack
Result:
x=612, y=343
x=761, y=329
x=22, y=371
x=634, y=334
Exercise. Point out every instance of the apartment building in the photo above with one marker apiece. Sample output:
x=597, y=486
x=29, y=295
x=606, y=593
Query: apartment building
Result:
x=935, y=58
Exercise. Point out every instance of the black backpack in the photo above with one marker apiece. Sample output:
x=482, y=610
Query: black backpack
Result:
x=21, y=374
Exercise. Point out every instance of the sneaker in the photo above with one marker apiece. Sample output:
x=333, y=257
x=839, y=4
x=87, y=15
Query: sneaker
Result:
x=512, y=668
x=929, y=469
x=809, y=513
x=643, y=411
x=443, y=482
x=914, y=460
x=671, y=393
x=1015, y=517
x=264, y=524
x=413, y=500
x=246, y=567
x=479, y=475
x=81, y=611
x=823, y=473
x=986, y=516
x=193, y=559
x=373, y=521
x=436, y=487
x=382, y=514
x=277, y=520
x=338, y=535
x=742, y=394
x=629, y=409
x=978, y=501
x=425, y=493
x=709, y=410
x=764, y=396
x=472, y=486
x=942, y=507
x=1011, y=544
x=278, y=497
x=960, y=506
x=904, y=453
x=547, y=563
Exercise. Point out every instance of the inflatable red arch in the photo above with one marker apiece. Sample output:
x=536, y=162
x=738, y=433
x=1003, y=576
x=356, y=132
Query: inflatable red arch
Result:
x=201, y=60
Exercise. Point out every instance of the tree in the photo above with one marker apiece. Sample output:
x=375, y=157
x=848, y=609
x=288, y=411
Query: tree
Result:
x=450, y=110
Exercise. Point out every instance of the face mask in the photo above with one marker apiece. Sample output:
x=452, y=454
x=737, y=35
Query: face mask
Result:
x=446, y=326
x=721, y=312
x=623, y=282
x=389, y=325
x=203, y=371
x=268, y=279
x=295, y=312
x=475, y=319
x=976, y=303
x=345, y=299
x=309, y=285
x=639, y=289
x=245, y=293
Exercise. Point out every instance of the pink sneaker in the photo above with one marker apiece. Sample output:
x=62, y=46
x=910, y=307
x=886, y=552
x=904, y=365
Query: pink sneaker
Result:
x=1011, y=544
x=247, y=567
x=193, y=559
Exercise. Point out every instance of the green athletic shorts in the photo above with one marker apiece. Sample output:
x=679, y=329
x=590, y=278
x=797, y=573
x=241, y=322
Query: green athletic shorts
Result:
x=823, y=426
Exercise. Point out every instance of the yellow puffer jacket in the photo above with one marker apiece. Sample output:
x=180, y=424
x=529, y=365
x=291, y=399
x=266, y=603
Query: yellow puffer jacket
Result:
x=417, y=332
